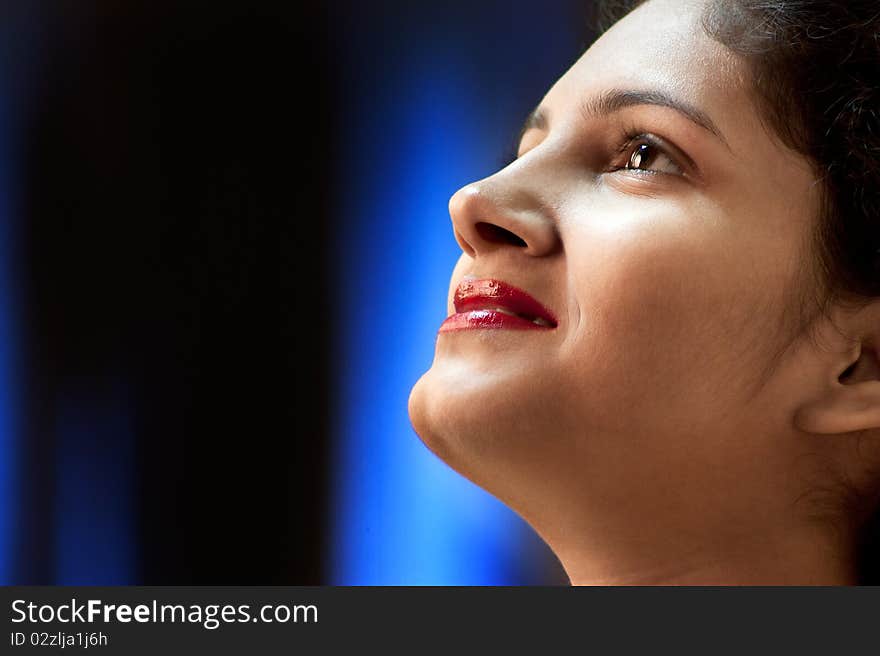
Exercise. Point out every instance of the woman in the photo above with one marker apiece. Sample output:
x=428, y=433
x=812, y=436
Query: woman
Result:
x=663, y=332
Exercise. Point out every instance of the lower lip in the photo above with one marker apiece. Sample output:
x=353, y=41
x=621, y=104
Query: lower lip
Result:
x=477, y=319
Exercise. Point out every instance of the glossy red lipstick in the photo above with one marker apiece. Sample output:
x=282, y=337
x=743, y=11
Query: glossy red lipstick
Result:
x=489, y=303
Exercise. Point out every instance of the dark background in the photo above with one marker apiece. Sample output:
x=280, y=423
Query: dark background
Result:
x=177, y=192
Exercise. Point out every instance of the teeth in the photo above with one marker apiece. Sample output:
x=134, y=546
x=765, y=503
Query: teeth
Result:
x=536, y=320
x=503, y=311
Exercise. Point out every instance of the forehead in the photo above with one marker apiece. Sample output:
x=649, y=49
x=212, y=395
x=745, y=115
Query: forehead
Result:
x=662, y=45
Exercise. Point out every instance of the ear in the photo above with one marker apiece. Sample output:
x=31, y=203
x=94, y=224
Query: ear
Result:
x=850, y=401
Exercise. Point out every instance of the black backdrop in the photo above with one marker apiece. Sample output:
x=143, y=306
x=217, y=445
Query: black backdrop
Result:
x=176, y=186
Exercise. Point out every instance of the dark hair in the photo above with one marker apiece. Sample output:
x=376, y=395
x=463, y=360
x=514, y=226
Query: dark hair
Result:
x=816, y=73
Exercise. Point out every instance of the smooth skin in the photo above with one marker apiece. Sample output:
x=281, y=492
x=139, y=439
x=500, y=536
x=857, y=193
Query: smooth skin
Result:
x=686, y=422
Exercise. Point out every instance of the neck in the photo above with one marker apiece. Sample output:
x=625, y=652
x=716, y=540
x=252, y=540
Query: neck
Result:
x=813, y=557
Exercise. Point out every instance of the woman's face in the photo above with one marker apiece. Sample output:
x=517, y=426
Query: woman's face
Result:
x=669, y=244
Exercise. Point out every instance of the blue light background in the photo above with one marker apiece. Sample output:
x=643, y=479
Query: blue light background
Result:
x=95, y=520
x=436, y=97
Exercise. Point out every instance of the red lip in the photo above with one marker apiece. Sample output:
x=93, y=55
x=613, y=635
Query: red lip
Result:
x=476, y=303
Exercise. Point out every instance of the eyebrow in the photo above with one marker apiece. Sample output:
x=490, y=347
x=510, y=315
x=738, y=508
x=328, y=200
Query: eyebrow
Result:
x=614, y=100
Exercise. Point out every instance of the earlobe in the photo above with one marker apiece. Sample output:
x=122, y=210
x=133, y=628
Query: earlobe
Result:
x=851, y=403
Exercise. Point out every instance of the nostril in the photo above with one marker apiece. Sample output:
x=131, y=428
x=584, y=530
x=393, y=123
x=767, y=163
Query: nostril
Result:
x=493, y=233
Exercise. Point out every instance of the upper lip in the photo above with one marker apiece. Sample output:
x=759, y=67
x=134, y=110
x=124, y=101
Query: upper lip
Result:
x=488, y=293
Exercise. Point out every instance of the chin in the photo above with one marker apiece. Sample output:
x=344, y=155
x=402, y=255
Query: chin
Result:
x=480, y=424
x=504, y=443
x=435, y=422
x=447, y=429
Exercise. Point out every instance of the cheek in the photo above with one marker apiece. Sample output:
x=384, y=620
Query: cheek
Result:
x=670, y=324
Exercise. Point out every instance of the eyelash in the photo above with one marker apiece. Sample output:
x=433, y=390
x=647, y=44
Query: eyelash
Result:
x=633, y=137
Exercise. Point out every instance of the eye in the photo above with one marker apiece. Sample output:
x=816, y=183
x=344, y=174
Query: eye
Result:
x=647, y=156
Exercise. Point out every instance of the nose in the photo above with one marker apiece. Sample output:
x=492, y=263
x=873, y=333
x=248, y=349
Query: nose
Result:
x=490, y=215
